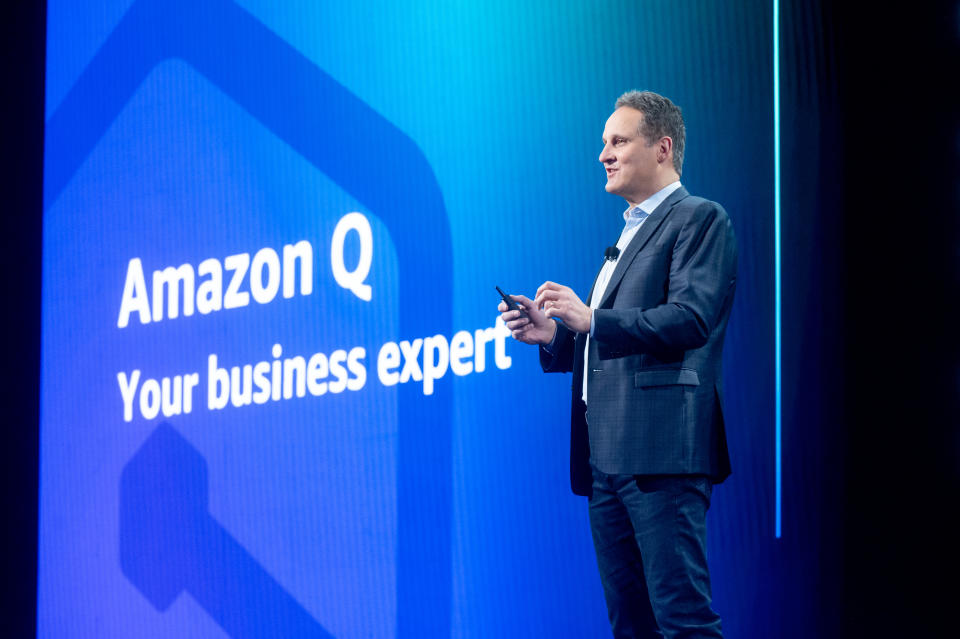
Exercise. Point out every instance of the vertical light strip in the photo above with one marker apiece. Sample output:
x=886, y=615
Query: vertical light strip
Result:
x=776, y=248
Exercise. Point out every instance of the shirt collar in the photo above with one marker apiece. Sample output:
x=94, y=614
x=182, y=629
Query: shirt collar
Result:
x=650, y=204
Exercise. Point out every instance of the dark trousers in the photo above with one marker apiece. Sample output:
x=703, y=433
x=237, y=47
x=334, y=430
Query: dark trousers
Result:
x=650, y=536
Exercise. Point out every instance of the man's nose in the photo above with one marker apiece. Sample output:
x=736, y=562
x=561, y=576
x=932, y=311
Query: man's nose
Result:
x=605, y=155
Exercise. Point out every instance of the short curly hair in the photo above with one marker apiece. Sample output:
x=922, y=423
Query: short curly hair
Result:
x=661, y=117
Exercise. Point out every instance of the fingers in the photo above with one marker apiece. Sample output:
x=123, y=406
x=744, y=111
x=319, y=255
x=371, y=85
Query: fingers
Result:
x=519, y=327
x=517, y=323
x=526, y=334
x=549, y=296
x=553, y=286
x=554, y=300
x=523, y=301
x=550, y=286
x=557, y=310
x=520, y=334
x=551, y=292
x=511, y=315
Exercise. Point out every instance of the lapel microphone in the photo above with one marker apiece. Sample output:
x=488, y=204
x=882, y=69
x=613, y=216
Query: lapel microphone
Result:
x=611, y=253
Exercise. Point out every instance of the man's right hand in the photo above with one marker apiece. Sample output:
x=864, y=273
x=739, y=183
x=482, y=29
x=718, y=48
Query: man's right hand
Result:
x=534, y=328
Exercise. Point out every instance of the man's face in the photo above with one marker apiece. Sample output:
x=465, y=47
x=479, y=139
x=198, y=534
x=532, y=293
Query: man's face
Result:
x=631, y=164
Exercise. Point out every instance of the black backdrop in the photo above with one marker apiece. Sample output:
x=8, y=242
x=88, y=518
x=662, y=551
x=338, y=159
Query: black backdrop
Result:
x=872, y=138
x=22, y=42
x=900, y=380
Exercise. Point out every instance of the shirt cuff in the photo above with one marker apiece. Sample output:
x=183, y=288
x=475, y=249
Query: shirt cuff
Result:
x=593, y=320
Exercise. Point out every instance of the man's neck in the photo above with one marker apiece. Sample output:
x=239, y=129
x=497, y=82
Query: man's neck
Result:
x=643, y=197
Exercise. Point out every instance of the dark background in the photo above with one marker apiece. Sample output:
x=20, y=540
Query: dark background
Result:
x=871, y=375
x=900, y=376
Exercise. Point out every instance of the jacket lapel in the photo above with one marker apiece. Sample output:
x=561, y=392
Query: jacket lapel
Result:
x=592, y=288
x=644, y=233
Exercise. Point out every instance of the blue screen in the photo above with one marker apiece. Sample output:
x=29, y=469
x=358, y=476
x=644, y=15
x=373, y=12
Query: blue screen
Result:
x=276, y=398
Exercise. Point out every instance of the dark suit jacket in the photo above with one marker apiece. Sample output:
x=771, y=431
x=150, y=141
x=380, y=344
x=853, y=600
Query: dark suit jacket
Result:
x=654, y=369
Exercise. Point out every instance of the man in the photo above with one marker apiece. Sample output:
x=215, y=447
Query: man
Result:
x=648, y=436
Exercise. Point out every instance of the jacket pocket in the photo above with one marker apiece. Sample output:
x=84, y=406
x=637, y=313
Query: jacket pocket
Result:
x=666, y=377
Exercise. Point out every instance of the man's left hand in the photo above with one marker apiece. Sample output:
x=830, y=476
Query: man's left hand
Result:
x=560, y=302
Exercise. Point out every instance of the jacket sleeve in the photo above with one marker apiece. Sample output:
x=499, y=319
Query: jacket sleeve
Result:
x=702, y=274
x=558, y=358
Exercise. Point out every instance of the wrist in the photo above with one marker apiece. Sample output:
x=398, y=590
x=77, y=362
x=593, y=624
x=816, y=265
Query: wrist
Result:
x=552, y=333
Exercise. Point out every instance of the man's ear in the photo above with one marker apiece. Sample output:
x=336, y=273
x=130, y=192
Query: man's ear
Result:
x=665, y=150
